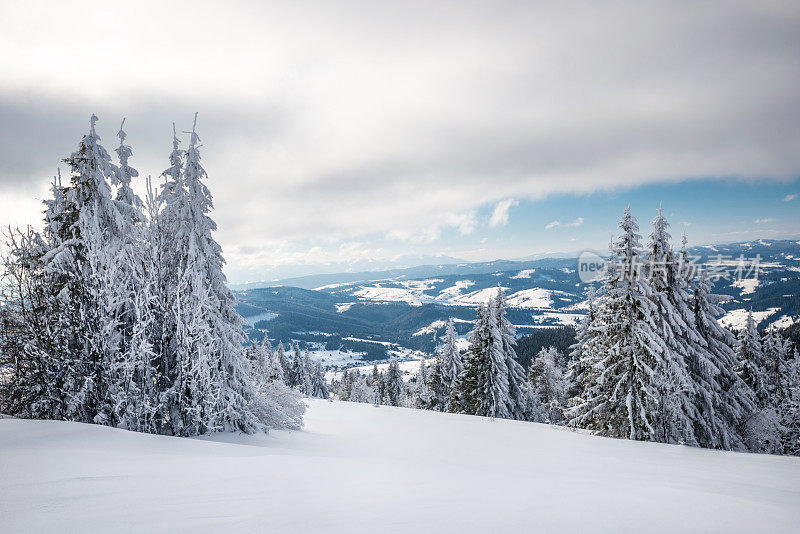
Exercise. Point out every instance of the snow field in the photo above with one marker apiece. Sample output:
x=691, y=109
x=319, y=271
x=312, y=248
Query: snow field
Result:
x=357, y=468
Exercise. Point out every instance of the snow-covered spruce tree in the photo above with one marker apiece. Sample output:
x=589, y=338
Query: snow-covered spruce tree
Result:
x=211, y=385
x=394, y=385
x=623, y=401
x=133, y=374
x=298, y=376
x=440, y=394
x=729, y=400
x=308, y=368
x=31, y=345
x=36, y=333
x=266, y=361
x=422, y=391
x=684, y=354
x=276, y=358
x=492, y=383
x=360, y=391
x=343, y=386
x=548, y=384
x=450, y=366
x=354, y=388
x=783, y=379
x=87, y=263
x=751, y=364
x=586, y=353
x=761, y=430
x=260, y=359
x=283, y=361
x=466, y=396
x=519, y=403
x=377, y=386
x=319, y=387
x=789, y=410
x=776, y=351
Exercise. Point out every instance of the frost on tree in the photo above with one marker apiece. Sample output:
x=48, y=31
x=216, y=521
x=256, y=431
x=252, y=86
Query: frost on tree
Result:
x=761, y=430
x=683, y=351
x=493, y=383
x=585, y=355
x=84, y=262
x=394, y=385
x=211, y=382
x=422, y=389
x=450, y=365
x=725, y=401
x=319, y=387
x=134, y=374
x=125, y=319
x=624, y=400
x=548, y=385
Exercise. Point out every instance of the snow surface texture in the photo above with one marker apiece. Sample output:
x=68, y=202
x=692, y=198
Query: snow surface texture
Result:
x=736, y=319
x=357, y=468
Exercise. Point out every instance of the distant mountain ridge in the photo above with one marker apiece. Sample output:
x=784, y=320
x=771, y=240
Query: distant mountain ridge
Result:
x=408, y=307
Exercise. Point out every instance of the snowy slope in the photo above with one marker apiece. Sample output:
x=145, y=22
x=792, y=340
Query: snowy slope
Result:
x=357, y=468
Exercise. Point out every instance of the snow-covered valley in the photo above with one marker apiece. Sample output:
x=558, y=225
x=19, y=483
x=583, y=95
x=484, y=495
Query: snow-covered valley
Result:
x=357, y=468
x=407, y=307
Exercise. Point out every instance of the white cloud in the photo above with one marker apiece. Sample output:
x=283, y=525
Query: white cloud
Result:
x=555, y=224
x=789, y=198
x=465, y=222
x=764, y=221
x=500, y=213
x=424, y=235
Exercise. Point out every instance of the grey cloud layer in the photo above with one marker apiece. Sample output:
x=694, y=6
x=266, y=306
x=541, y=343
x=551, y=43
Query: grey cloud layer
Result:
x=332, y=121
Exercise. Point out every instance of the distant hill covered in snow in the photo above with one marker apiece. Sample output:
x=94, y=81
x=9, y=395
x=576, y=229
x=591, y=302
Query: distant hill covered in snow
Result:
x=405, y=308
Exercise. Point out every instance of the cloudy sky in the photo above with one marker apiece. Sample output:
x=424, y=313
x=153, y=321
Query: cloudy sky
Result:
x=356, y=130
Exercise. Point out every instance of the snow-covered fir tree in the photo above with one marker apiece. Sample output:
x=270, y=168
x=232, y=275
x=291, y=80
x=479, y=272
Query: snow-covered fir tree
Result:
x=789, y=410
x=585, y=354
x=782, y=381
x=726, y=401
x=354, y=388
x=319, y=387
x=761, y=430
x=394, y=385
x=467, y=396
x=86, y=262
x=548, y=385
x=751, y=364
x=450, y=366
x=674, y=325
x=31, y=344
x=623, y=401
x=275, y=362
x=422, y=392
x=493, y=383
x=299, y=376
x=377, y=386
x=283, y=361
x=440, y=394
x=519, y=401
x=211, y=383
